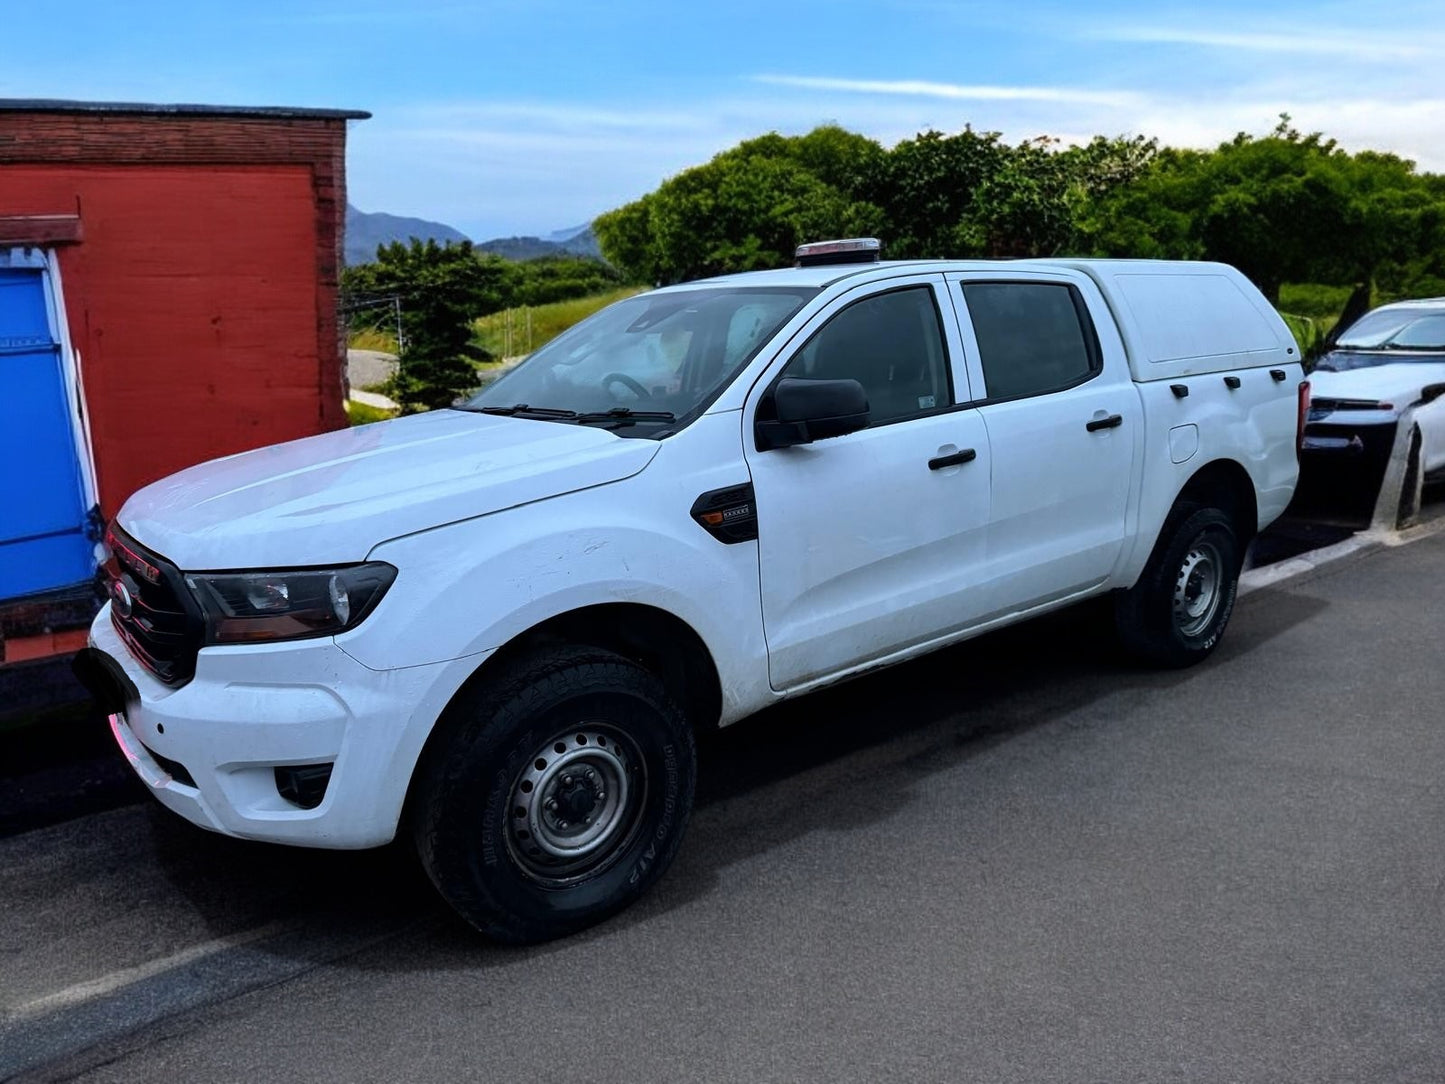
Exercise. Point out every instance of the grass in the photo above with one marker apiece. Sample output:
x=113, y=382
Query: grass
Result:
x=1311, y=310
x=547, y=322
x=371, y=338
x=1320, y=303
x=361, y=414
x=1309, y=334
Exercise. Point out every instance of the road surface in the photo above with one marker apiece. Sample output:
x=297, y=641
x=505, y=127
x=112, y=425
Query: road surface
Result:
x=1017, y=860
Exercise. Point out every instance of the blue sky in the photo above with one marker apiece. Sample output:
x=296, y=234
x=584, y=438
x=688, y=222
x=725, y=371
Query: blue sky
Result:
x=503, y=116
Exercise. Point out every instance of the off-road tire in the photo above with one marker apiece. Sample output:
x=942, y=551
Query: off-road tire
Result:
x=497, y=737
x=1152, y=623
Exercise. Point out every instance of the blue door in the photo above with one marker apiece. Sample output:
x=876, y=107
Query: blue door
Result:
x=43, y=543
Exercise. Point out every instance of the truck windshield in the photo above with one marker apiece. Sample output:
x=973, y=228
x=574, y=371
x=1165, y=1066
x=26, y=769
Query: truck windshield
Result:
x=646, y=363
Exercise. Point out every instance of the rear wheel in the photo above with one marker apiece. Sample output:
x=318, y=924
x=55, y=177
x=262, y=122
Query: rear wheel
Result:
x=1176, y=613
x=556, y=795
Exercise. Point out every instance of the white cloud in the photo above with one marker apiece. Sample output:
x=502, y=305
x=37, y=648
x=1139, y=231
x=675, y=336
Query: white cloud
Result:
x=1355, y=45
x=953, y=91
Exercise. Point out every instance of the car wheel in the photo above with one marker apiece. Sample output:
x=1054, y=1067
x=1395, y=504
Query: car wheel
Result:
x=1410, y=488
x=556, y=794
x=1176, y=613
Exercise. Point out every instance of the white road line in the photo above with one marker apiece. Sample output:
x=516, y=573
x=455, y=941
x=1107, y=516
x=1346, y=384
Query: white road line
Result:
x=108, y=984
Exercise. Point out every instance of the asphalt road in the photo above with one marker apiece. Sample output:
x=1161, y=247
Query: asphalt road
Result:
x=1018, y=860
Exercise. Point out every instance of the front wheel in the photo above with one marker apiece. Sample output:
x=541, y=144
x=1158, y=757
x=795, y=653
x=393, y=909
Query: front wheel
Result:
x=1176, y=613
x=555, y=795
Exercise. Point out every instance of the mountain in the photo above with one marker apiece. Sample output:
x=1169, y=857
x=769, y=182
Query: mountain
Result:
x=578, y=241
x=364, y=232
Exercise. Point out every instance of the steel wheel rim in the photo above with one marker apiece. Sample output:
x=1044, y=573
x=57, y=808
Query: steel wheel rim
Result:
x=575, y=804
x=1198, y=588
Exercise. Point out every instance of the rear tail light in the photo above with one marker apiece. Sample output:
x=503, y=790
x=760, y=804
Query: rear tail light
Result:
x=1303, y=415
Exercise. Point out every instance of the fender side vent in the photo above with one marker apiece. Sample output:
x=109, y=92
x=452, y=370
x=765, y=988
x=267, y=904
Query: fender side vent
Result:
x=729, y=515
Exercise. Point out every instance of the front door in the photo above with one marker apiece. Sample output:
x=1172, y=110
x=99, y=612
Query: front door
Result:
x=43, y=543
x=868, y=543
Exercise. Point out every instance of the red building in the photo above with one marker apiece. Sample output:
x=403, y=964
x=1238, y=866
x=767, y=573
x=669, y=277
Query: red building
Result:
x=168, y=294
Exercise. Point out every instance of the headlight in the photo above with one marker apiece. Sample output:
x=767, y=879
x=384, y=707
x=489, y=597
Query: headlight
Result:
x=250, y=607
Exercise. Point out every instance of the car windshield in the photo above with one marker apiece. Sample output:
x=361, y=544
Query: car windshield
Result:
x=1396, y=329
x=647, y=363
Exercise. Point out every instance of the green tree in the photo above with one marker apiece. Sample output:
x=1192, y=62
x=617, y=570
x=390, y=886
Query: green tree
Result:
x=558, y=278
x=625, y=237
x=441, y=288
x=933, y=196
x=927, y=188
x=1286, y=207
x=747, y=209
x=971, y=194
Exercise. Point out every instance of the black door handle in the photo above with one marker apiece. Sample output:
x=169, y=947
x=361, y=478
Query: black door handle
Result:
x=1113, y=421
x=968, y=455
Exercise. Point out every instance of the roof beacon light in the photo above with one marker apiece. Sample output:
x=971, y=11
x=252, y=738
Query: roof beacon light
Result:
x=849, y=250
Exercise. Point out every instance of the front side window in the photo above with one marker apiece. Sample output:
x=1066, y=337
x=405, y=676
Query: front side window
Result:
x=660, y=356
x=1031, y=337
x=892, y=344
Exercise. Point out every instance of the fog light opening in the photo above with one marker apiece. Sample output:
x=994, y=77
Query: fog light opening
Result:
x=303, y=784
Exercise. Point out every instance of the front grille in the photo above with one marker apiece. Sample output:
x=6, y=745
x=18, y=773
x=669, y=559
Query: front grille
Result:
x=152, y=610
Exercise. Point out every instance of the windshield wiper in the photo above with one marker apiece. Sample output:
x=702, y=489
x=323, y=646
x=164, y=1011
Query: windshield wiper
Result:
x=525, y=411
x=618, y=416
x=622, y=415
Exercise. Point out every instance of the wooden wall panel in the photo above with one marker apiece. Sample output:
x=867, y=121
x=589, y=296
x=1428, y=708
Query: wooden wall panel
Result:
x=194, y=303
x=203, y=293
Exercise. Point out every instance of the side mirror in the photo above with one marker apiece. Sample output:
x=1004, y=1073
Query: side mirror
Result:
x=809, y=410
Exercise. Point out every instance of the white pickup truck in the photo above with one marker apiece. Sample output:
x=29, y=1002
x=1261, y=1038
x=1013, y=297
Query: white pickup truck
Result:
x=496, y=628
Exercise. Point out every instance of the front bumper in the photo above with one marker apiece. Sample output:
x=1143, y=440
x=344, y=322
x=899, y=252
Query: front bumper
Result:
x=209, y=749
x=1342, y=465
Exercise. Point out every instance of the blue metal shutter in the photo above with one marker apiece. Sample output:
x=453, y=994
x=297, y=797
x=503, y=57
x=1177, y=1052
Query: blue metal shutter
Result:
x=43, y=544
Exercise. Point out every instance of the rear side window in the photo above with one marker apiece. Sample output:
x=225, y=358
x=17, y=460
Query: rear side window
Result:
x=890, y=343
x=1032, y=337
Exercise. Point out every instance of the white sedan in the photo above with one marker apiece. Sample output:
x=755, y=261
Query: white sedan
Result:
x=1391, y=360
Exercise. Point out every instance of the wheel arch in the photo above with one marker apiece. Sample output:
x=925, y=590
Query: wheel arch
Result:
x=1224, y=484
x=660, y=641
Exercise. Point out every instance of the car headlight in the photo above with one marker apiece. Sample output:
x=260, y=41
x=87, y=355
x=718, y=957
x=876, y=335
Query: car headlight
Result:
x=252, y=607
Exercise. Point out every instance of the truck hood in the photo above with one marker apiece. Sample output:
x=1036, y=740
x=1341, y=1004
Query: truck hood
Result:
x=330, y=499
x=1399, y=383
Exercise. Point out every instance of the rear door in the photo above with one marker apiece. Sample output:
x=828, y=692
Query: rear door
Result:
x=43, y=543
x=1064, y=426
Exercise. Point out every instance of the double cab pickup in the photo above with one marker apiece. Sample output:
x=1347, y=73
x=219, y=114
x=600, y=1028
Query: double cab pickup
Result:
x=496, y=629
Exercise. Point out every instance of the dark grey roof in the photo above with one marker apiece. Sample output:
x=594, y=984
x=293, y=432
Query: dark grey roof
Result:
x=47, y=105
